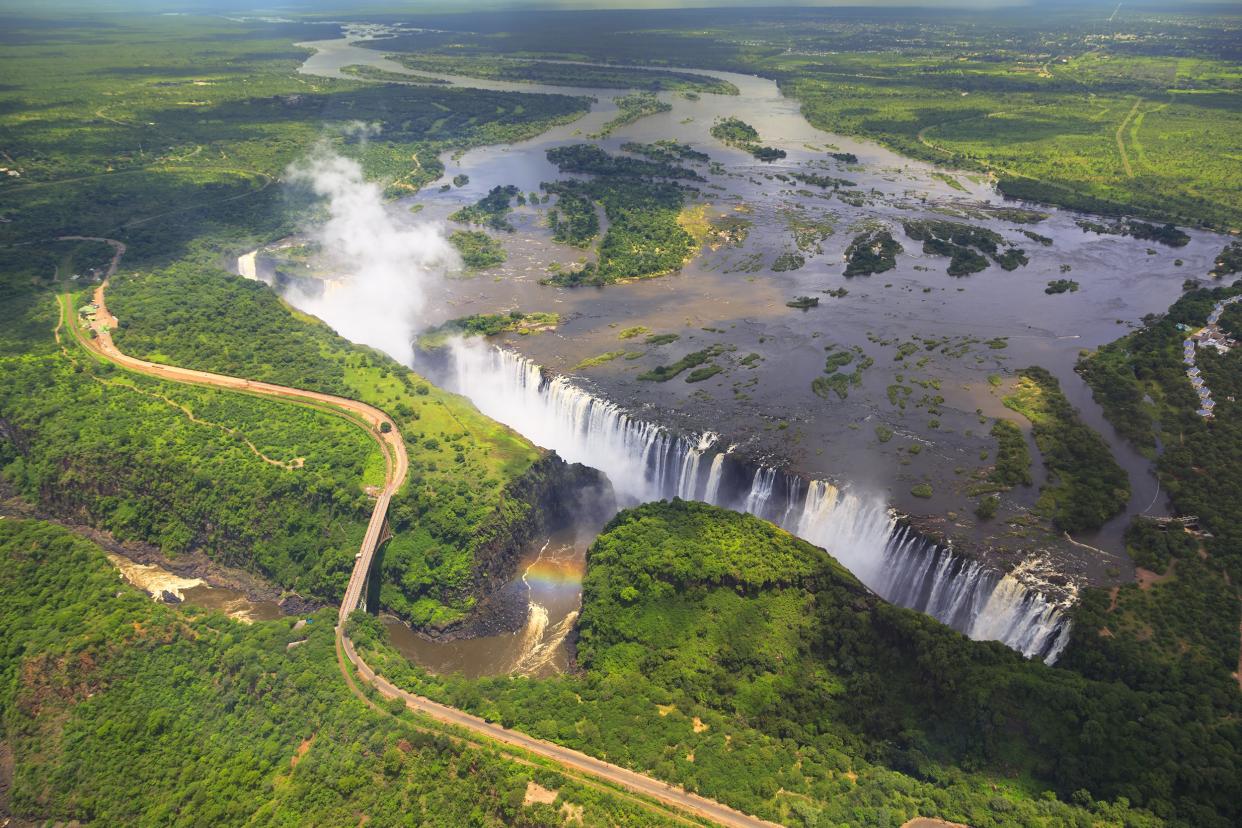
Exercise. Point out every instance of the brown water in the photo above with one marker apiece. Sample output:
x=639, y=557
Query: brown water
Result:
x=1120, y=280
x=156, y=581
x=550, y=579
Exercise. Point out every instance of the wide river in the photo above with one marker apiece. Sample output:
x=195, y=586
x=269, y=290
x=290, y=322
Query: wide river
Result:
x=730, y=295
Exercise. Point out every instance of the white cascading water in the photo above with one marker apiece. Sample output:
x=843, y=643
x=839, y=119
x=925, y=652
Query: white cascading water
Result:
x=646, y=462
x=714, y=476
x=643, y=461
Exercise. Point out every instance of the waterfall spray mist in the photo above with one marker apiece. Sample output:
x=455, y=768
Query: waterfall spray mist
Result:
x=383, y=260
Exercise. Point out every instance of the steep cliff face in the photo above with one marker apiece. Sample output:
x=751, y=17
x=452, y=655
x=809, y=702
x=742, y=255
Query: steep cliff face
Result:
x=551, y=496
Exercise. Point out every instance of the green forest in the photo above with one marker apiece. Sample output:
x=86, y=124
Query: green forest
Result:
x=1133, y=116
x=724, y=654
x=737, y=133
x=294, y=507
x=109, y=145
x=1085, y=486
x=713, y=650
x=1140, y=382
x=122, y=711
x=645, y=236
x=553, y=73
x=462, y=464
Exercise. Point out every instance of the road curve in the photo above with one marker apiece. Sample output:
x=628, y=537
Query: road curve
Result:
x=395, y=459
x=397, y=468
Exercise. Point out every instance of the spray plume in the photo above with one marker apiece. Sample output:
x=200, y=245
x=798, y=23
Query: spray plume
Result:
x=383, y=263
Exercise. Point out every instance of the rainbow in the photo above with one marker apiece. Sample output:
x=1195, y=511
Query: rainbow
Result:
x=553, y=574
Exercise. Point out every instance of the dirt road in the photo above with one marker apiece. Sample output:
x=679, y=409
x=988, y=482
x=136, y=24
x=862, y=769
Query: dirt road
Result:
x=397, y=467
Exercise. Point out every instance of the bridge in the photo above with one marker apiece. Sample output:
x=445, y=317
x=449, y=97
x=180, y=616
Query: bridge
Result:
x=396, y=470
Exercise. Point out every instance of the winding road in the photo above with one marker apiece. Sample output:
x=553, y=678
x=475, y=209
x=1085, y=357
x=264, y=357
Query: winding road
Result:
x=397, y=467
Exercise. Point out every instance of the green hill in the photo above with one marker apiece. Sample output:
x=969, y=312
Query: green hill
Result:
x=116, y=710
x=824, y=704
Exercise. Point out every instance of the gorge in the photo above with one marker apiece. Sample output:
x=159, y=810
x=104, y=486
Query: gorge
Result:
x=647, y=462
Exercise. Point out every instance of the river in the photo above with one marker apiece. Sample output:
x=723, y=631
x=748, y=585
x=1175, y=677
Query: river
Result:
x=766, y=411
x=161, y=584
x=550, y=581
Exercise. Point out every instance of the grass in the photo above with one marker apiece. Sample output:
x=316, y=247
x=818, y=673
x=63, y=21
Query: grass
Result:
x=1085, y=486
x=489, y=324
x=662, y=339
x=693, y=219
x=664, y=373
x=600, y=359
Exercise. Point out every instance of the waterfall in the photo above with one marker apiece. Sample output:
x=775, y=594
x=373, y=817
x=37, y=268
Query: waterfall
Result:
x=712, y=492
x=647, y=462
x=643, y=461
x=688, y=477
x=760, y=492
x=247, y=267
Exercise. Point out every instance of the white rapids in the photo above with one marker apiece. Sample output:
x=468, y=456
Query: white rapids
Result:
x=647, y=462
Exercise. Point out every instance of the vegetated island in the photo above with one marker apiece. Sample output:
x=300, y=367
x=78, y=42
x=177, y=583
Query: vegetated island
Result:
x=737, y=133
x=871, y=251
x=1085, y=485
x=965, y=245
x=478, y=250
x=552, y=73
x=646, y=234
x=631, y=108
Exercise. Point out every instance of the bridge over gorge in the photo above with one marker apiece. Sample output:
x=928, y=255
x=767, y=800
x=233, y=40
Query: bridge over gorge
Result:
x=101, y=322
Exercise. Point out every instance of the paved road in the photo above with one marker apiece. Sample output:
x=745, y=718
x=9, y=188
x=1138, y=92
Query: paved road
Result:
x=396, y=461
x=397, y=468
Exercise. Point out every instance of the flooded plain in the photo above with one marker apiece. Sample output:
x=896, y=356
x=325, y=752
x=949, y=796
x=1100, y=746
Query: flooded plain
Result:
x=953, y=343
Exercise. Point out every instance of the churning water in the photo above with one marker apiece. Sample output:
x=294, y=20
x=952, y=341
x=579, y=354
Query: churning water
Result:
x=647, y=462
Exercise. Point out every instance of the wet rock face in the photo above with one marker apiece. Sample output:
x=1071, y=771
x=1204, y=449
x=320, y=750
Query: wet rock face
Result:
x=551, y=496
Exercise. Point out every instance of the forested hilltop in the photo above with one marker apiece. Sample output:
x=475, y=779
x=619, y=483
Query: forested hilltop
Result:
x=722, y=653
x=1130, y=114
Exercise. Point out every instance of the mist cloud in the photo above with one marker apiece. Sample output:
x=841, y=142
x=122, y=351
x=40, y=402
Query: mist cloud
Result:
x=382, y=262
x=362, y=131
